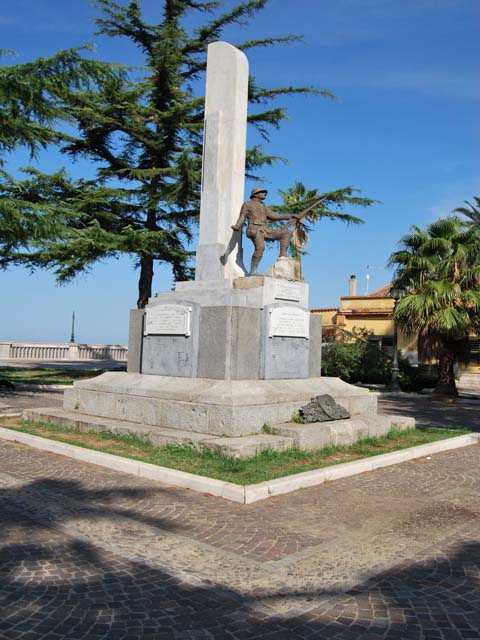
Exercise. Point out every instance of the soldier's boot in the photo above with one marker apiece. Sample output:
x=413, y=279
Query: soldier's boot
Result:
x=284, y=242
x=253, y=267
x=255, y=262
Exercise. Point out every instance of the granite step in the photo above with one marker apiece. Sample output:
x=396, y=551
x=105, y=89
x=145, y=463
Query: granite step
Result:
x=317, y=435
x=249, y=446
x=83, y=422
x=237, y=447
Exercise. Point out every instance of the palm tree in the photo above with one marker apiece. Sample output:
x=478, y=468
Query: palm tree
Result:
x=439, y=271
x=325, y=206
x=472, y=212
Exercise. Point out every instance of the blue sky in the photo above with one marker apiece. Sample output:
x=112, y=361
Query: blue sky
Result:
x=404, y=130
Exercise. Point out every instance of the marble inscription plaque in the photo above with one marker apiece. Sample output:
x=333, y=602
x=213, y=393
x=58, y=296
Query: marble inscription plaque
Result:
x=289, y=322
x=285, y=290
x=168, y=319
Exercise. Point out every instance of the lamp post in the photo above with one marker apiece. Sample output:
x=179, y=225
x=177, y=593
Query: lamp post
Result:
x=72, y=336
x=394, y=385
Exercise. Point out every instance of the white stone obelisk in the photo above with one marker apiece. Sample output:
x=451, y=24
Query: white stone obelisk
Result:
x=219, y=254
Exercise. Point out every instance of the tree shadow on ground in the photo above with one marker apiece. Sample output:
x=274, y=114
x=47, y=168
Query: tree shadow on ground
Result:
x=55, y=586
x=56, y=500
x=428, y=412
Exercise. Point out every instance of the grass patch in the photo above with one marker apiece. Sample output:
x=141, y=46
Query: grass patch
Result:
x=264, y=466
x=49, y=375
x=267, y=429
x=297, y=418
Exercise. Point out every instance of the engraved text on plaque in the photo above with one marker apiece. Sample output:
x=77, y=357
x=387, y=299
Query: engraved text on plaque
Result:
x=289, y=322
x=285, y=290
x=168, y=319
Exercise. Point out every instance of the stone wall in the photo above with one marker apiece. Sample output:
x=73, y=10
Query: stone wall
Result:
x=62, y=351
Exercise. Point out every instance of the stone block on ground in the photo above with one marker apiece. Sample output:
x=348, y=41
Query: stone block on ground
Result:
x=322, y=409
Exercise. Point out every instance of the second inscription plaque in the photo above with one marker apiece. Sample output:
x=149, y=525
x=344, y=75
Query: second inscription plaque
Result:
x=289, y=322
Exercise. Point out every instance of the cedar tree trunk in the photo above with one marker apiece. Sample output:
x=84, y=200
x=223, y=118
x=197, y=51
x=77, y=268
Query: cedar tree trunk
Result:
x=145, y=281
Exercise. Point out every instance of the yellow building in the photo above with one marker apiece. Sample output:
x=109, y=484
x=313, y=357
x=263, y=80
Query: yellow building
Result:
x=373, y=313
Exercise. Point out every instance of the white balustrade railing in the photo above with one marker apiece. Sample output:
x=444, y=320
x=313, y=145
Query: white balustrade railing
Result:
x=62, y=351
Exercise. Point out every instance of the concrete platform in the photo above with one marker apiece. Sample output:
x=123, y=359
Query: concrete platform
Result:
x=218, y=407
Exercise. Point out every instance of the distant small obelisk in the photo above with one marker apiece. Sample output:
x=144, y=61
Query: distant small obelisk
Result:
x=219, y=251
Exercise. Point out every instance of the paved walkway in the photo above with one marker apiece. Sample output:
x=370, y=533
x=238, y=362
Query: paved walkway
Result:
x=16, y=401
x=88, y=553
x=463, y=414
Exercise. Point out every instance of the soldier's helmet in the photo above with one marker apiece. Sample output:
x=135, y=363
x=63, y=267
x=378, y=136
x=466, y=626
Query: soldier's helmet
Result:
x=256, y=190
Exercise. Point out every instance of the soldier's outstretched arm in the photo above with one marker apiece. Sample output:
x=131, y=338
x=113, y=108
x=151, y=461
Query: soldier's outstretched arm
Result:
x=280, y=216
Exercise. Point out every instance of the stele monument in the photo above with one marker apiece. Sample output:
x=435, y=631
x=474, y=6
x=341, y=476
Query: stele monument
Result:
x=222, y=355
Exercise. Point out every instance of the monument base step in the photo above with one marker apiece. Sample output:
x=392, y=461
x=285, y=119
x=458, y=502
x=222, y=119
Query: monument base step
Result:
x=318, y=435
x=242, y=447
x=312, y=436
x=218, y=407
x=84, y=422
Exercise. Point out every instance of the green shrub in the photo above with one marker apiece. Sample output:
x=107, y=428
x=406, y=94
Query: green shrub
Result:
x=359, y=360
x=342, y=359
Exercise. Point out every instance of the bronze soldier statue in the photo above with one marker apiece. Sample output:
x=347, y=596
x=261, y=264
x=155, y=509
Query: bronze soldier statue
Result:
x=257, y=215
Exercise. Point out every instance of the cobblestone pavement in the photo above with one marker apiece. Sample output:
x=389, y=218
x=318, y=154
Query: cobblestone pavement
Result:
x=86, y=552
x=18, y=400
x=463, y=414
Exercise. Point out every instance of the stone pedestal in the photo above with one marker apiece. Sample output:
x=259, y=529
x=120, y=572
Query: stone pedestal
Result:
x=204, y=405
x=257, y=328
x=212, y=360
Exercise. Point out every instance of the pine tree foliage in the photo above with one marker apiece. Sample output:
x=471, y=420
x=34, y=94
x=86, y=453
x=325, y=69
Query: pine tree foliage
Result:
x=32, y=96
x=143, y=131
x=24, y=217
x=33, y=114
